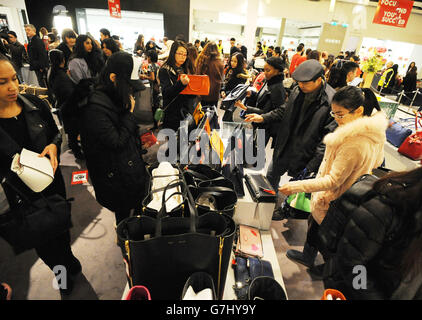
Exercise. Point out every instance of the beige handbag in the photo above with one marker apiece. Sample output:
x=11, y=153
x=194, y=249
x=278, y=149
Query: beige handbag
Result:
x=37, y=173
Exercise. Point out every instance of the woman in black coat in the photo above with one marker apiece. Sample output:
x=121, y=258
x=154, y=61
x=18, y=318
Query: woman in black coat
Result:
x=176, y=106
x=111, y=142
x=63, y=87
x=376, y=226
x=271, y=95
x=26, y=122
x=409, y=81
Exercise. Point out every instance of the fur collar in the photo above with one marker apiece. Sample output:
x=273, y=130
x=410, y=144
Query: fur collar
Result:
x=373, y=127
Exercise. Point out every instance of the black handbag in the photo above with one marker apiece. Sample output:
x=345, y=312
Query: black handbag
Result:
x=162, y=253
x=205, y=182
x=238, y=93
x=260, y=188
x=33, y=223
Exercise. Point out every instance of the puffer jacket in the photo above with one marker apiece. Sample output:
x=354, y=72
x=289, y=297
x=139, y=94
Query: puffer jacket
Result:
x=362, y=228
x=352, y=150
x=111, y=145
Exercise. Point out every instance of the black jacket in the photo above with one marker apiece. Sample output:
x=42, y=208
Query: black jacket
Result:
x=18, y=53
x=176, y=105
x=306, y=149
x=42, y=131
x=363, y=228
x=409, y=82
x=111, y=145
x=232, y=80
x=37, y=53
x=271, y=96
x=67, y=52
x=62, y=86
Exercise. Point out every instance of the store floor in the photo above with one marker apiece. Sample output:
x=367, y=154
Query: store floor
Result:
x=94, y=243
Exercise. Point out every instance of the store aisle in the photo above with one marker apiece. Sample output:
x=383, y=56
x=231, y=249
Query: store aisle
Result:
x=103, y=272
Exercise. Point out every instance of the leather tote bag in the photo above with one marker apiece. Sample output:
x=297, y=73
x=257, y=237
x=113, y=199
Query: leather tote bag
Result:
x=34, y=223
x=162, y=253
x=143, y=107
x=396, y=134
x=238, y=93
x=199, y=85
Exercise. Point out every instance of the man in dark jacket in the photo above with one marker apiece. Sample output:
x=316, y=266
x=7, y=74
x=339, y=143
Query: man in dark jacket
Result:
x=37, y=53
x=302, y=124
x=18, y=52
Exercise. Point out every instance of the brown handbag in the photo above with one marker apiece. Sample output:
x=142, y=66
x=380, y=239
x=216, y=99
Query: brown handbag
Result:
x=199, y=85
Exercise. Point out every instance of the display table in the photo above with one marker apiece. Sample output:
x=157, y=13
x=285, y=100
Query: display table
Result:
x=29, y=76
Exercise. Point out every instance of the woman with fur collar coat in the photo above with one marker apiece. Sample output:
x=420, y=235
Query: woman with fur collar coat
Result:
x=355, y=148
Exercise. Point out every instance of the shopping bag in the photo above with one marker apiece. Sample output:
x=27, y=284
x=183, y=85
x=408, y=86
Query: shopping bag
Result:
x=412, y=145
x=198, y=85
x=238, y=93
x=162, y=253
x=300, y=202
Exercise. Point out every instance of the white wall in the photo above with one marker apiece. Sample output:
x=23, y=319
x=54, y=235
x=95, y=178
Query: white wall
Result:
x=417, y=57
x=318, y=12
x=12, y=9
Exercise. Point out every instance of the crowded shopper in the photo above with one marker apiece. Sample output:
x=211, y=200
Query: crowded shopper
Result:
x=342, y=73
x=299, y=51
x=63, y=87
x=176, y=106
x=164, y=53
x=111, y=143
x=271, y=95
x=235, y=75
x=192, y=56
x=355, y=148
x=53, y=41
x=302, y=125
x=198, y=46
x=209, y=63
x=139, y=47
x=410, y=80
x=380, y=230
x=18, y=53
x=85, y=61
x=109, y=46
x=67, y=44
x=44, y=36
x=104, y=34
x=37, y=55
x=26, y=122
x=220, y=47
x=387, y=79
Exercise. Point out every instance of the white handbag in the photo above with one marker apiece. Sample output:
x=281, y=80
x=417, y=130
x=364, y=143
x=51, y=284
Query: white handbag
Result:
x=37, y=173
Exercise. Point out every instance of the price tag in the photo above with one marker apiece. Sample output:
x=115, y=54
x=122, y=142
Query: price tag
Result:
x=79, y=177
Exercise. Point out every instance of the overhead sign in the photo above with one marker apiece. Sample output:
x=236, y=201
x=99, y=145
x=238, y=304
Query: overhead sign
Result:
x=114, y=8
x=393, y=12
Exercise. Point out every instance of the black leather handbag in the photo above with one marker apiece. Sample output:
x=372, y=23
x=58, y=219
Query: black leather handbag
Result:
x=260, y=188
x=34, y=223
x=162, y=253
x=238, y=93
x=208, y=184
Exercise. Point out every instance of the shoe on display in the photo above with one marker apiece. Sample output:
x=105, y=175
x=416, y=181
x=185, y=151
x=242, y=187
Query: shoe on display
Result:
x=307, y=257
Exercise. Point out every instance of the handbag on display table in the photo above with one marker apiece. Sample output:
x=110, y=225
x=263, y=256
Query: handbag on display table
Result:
x=238, y=93
x=162, y=253
x=412, y=145
x=396, y=133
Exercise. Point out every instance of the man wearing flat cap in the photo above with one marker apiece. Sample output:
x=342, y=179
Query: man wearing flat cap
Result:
x=302, y=125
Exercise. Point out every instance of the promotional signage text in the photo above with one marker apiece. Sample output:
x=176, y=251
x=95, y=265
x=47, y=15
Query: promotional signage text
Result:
x=114, y=8
x=393, y=12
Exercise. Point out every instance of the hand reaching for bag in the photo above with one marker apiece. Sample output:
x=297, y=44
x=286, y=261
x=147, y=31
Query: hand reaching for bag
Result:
x=184, y=79
x=286, y=189
x=240, y=105
x=253, y=117
x=51, y=152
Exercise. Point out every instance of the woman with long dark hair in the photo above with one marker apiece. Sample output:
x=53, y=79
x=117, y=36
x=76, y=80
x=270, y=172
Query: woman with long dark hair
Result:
x=86, y=61
x=209, y=63
x=192, y=56
x=236, y=74
x=378, y=226
x=355, y=148
x=410, y=80
x=26, y=122
x=139, y=48
x=111, y=143
x=109, y=46
x=176, y=106
x=68, y=44
x=63, y=87
x=342, y=73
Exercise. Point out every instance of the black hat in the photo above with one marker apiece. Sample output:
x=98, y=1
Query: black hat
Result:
x=122, y=63
x=309, y=70
x=275, y=62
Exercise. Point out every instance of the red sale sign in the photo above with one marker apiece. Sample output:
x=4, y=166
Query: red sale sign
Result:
x=114, y=8
x=393, y=12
